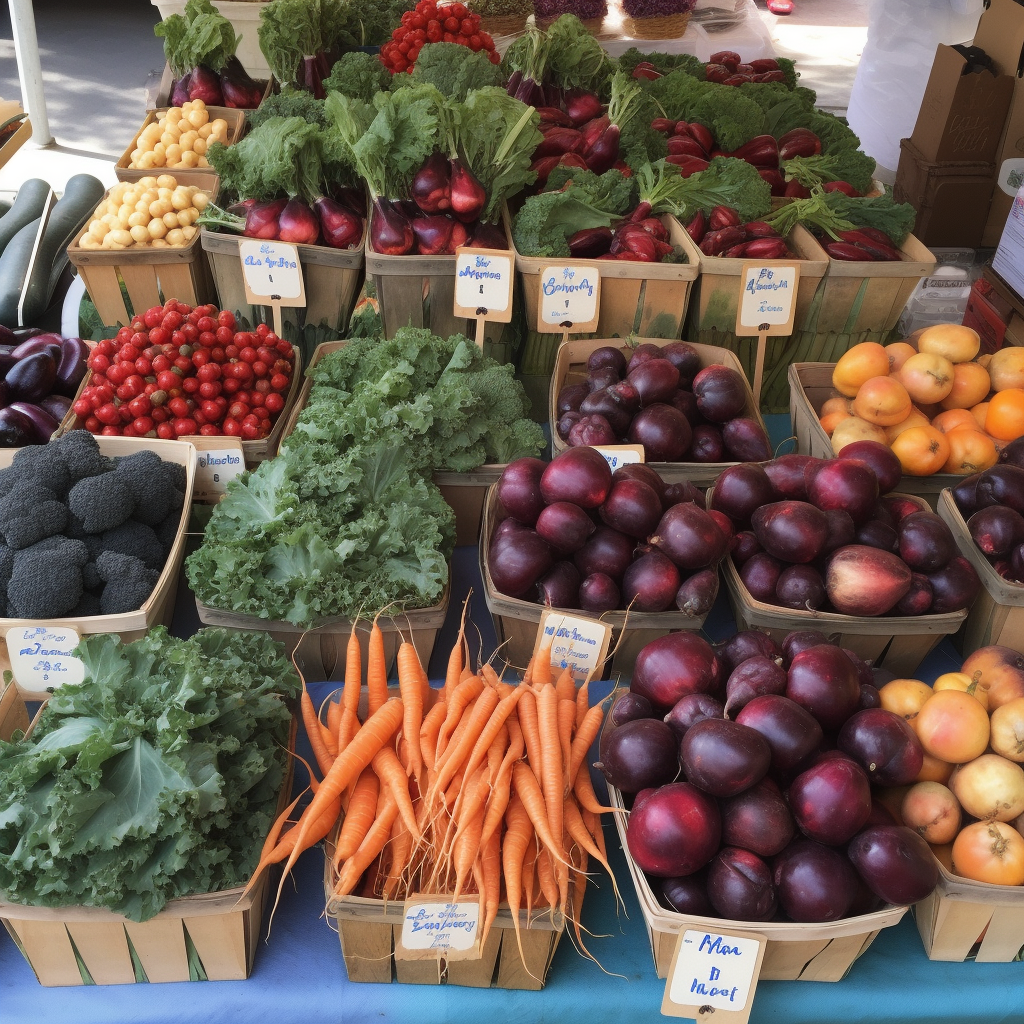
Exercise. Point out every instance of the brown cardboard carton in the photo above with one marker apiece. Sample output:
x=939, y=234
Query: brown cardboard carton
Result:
x=962, y=114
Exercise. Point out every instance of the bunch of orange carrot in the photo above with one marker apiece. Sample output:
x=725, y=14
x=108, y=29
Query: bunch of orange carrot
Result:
x=480, y=787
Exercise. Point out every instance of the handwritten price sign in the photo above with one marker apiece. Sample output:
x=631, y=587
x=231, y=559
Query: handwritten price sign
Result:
x=434, y=928
x=483, y=281
x=41, y=657
x=272, y=272
x=569, y=294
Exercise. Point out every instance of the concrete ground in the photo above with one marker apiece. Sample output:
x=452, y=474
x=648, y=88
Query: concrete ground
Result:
x=97, y=57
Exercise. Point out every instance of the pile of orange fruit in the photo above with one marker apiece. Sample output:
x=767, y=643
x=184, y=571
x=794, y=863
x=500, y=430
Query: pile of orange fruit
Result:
x=940, y=406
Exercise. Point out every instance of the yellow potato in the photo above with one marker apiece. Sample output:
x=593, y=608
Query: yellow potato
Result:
x=188, y=138
x=139, y=219
x=170, y=220
x=173, y=155
x=175, y=237
x=146, y=145
x=167, y=181
x=189, y=159
x=159, y=160
x=120, y=236
x=111, y=206
x=203, y=162
x=175, y=113
x=98, y=230
x=199, y=201
x=186, y=217
x=123, y=216
x=206, y=131
x=181, y=200
x=88, y=242
x=152, y=131
x=169, y=139
x=159, y=149
x=163, y=192
x=198, y=118
x=184, y=126
x=159, y=207
x=143, y=207
x=159, y=243
x=108, y=244
x=136, y=153
x=189, y=232
x=150, y=195
x=157, y=228
x=220, y=126
x=110, y=219
x=199, y=147
x=139, y=233
x=147, y=182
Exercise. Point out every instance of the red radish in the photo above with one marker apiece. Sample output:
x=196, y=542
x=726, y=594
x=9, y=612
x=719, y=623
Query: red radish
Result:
x=467, y=194
x=602, y=154
x=488, y=236
x=341, y=228
x=558, y=141
x=391, y=233
x=433, y=233
x=431, y=188
x=204, y=84
x=262, y=219
x=696, y=595
x=581, y=106
x=599, y=593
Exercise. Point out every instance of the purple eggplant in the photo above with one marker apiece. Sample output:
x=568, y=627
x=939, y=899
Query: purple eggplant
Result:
x=32, y=378
x=43, y=424
x=180, y=90
x=24, y=333
x=57, y=406
x=298, y=223
x=7, y=337
x=38, y=343
x=262, y=219
x=341, y=228
x=468, y=195
x=488, y=236
x=205, y=85
x=16, y=429
x=432, y=185
x=5, y=394
x=7, y=360
x=71, y=366
x=391, y=232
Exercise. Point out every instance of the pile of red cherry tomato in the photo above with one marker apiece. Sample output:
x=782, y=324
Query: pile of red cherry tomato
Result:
x=430, y=22
x=176, y=371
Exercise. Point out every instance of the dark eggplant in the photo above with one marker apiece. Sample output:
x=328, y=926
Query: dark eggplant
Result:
x=71, y=366
x=37, y=343
x=43, y=424
x=16, y=429
x=56, y=405
x=32, y=378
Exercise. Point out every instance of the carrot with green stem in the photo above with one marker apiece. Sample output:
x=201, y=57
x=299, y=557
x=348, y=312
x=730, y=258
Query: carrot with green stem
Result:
x=359, y=817
x=392, y=774
x=411, y=688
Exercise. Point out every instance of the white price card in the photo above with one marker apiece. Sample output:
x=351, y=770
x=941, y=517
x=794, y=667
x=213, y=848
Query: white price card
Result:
x=219, y=460
x=768, y=300
x=575, y=642
x=272, y=272
x=617, y=455
x=713, y=974
x=483, y=284
x=434, y=927
x=568, y=294
x=41, y=657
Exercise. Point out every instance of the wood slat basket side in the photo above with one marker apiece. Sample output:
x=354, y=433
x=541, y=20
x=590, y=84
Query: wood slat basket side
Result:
x=15, y=141
x=794, y=952
x=516, y=621
x=898, y=643
x=71, y=946
x=997, y=616
x=570, y=368
x=158, y=608
x=810, y=386
x=184, y=175
x=150, y=276
x=649, y=299
x=963, y=919
x=332, y=279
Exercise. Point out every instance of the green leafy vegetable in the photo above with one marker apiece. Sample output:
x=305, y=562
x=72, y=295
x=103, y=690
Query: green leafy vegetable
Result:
x=361, y=75
x=633, y=109
x=732, y=117
x=293, y=30
x=370, y=24
x=832, y=212
x=663, y=62
x=726, y=182
x=576, y=60
x=156, y=777
x=201, y=36
x=288, y=103
x=850, y=165
x=453, y=70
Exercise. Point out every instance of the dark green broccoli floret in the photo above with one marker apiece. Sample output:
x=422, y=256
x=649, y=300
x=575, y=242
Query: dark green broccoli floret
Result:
x=89, y=604
x=291, y=103
x=91, y=579
x=45, y=465
x=167, y=531
x=177, y=474
x=45, y=586
x=29, y=513
x=74, y=550
x=128, y=582
x=135, y=538
x=81, y=454
x=151, y=485
x=102, y=502
x=6, y=568
x=359, y=75
x=453, y=70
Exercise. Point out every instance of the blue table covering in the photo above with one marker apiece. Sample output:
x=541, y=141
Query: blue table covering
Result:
x=299, y=975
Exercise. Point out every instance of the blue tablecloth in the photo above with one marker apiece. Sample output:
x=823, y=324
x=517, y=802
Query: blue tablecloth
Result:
x=299, y=975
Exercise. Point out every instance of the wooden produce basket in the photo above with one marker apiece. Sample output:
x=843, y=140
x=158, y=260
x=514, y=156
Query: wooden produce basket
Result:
x=997, y=615
x=571, y=368
x=254, y=451
x=712, y=319
x=649, y=299
x=794, y=952
x=13, y=142
x=898, y=643
x=962, y=917
x=810, y=386
x=67, y=946
x=158, y=608
x=183, y=175
x=332, y=278
x=149, y=275
x=369, y=930
x=516, y=621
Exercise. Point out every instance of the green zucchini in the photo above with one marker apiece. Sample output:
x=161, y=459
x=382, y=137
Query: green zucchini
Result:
x=14, y=267
x=81, y=195
x=28, y=206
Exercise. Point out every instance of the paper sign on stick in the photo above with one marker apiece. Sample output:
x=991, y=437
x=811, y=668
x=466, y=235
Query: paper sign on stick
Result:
x=575, y=642
x=767, y=307
x=272, y=273
x=41, y=657
x=435, y=927
x=713, y=976
x=568, y=297
x=483, y=287
x=220, y=460
x=621, y=454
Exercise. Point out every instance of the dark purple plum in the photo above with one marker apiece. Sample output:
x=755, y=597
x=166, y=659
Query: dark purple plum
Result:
x=740, y=886
x=724, y=758
x=690, y=710
x=639, y=754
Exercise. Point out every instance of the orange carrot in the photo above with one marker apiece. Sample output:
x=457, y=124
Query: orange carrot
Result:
x=549, y=772
x=314, y=730
x=582, y=702
x=527, y=710
x=429, y=731
x=490, y=869
x=359, y=817
x=456, y=663
x=530, y=872
x=391, y=773
x=376, y=670
x=400, y=844
x=497, y=718
x=565, y=687
x=584, y=790
x=577, y=830
x=275, y=831
x=566, y=720
x=455, y=755
x=411, y=688
x=467, y=845
x=488, y=675
x=513, y=860
x=372, y=844
x=586, y=733
x=496, y=751
x=529, y=791
x=542, y=666
x=501, y=787
x=333, y=719
x=464, y=695
x=546, y=879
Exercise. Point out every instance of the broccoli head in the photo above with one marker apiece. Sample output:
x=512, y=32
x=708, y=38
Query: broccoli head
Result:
x=81, y=454
x=453, y=70
x=151, y=484
x=45, y=465
x=167, y=531
x=135, y=538
x=88, y=604
x=128, y=582
x=30, y=512
x=74, y=550
x=356, y=74
x=46, y=585
x=6, y=568
x=102, y=502
x=91, y=579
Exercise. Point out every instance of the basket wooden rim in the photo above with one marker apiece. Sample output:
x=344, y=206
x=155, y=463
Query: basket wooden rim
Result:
x=236, y=127
x=315, y=255
x=916, y=260
x=813, y=260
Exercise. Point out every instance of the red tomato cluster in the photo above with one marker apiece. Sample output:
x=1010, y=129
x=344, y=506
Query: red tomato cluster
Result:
x=430, y=22
x=176, y=371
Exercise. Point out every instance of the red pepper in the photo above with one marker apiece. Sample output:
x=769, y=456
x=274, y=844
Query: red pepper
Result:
x=728, y=57
x=794, y=190
x=775, y=180
x=723, y=217
x=848, y=252
x=683, y=145
x=758, y=229
x=702, y=135
x=716, y=72
x=764, y=64
x=799, y=142
x=697, y=228
x=766, y=248
x=761, y=151
x=841, y=186
x=687, y=164
x=664, y=125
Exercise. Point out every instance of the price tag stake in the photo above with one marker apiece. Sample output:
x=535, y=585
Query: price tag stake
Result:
x=41, y=658
x=569, y=299
x=483, y=287
x=767, y=308
x=272, y=272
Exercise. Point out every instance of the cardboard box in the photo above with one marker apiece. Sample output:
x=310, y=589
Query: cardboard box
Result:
x=962, y=114
x=951, y=198
x=995, y=312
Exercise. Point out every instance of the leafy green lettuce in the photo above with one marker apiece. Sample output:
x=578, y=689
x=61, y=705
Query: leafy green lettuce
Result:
x=155, y=777
x=202, y=36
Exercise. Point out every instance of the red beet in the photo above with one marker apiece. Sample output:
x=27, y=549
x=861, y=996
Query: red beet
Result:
x=801, y=640
x=825, y=682
x=758, y=820
x=884, y=745
x=997, y=530
x=607, y=551
x=801, y=587
x=663, y=431
x=672, y=666
x=655, y=380
x=468, y=196
x=696, y=595
x=841, y=530
x=592, y=430
x=707, y=444
x=391, y=232
x=895, y=862
x=571, y=397
x=519, y=490
x=721, y=393
x=787, y=474
x=579, y=475
x=794, y=531
x=752, y=678
x=517, y=560
x=740, y=886
x=632, y=507
x=880, y=459
x=813, y=882
x=760, y=575
x=607, y=356
x=641, y=471
x=431, y=188
x=792, y=734
x=954, y=587
x=628, y=707
x=342, y=229
x=739, y=490
x=748, y=643
x=688, y=895
x=680, y=493
x=844, y=484
x=642, y=353
x=559, y=587
x=599, y=593
x=831, y=801
x=674, y=832
x=744, y=546
x=565, y=526
x=602, y=403
x=690, y=710
x=746, y=440
x=925, y=542
x=690, y=537
x=650, y=583
x=638, y=755
x=724, y=758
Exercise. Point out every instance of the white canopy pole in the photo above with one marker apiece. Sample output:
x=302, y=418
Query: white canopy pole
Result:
x=26, y=47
